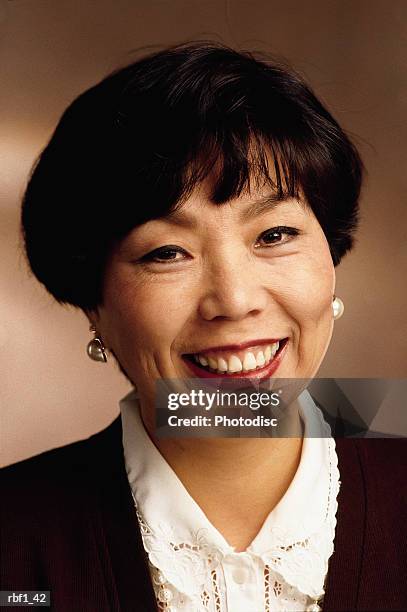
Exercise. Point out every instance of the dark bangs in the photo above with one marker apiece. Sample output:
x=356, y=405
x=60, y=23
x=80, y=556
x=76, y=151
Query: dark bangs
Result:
x=135, y=146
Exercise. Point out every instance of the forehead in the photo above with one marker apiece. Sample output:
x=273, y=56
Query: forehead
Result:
x=246, y=207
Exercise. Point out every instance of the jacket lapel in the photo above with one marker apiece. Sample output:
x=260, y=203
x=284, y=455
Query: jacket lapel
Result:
x=345, y=564
x=120, y=531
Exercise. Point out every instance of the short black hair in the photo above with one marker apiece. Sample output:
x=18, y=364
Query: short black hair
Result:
x=134, y=146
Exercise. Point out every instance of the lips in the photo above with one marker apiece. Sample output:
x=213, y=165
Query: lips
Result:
x=258, y=359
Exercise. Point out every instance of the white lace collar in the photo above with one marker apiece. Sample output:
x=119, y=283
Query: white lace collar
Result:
x=296, y=540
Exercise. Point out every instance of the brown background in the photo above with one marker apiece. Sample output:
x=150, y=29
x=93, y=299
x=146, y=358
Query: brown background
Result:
x=353, y=53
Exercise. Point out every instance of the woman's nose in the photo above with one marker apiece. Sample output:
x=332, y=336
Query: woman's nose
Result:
x=231, y=291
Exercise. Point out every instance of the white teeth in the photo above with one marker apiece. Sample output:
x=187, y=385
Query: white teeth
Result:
x=213, y=363
x=249, y=362
x=260, y=359
x=267, y=353
x=222, y=365
x=235, y=365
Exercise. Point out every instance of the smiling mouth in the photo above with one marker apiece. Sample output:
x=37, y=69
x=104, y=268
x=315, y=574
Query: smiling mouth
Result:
x=252, y=361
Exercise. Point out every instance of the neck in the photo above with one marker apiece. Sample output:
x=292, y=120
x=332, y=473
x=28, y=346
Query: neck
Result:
x=236, y=481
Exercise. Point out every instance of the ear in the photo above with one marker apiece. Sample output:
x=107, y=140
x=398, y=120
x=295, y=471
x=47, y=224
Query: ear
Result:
x=334, y=282
x=92, y=316
x=95, y=320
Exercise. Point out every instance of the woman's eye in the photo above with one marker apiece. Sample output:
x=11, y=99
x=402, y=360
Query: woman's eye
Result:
x=167, y=254
x=170, y=253
x=276, y=235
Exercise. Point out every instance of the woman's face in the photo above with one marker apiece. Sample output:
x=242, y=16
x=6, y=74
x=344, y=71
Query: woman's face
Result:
x=225, y=283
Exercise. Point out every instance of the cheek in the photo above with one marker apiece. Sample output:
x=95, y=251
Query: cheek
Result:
x=309, y=306
x=149, y=315
x=315, y=296
x=309, y=290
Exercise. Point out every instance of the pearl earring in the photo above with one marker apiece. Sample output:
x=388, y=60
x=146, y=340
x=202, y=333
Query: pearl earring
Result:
x=95, y=349
x=338, y=307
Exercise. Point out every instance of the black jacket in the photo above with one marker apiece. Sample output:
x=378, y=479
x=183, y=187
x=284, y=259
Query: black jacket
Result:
x=69, y=526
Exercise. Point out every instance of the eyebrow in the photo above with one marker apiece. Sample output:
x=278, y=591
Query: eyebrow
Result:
x=264, y=205
x=255, y=209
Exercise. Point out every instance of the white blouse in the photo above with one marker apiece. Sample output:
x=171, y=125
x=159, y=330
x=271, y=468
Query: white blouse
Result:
x=193, y=568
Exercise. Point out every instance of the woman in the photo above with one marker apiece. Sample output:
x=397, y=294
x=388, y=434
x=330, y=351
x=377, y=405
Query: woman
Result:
x=194, y=205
